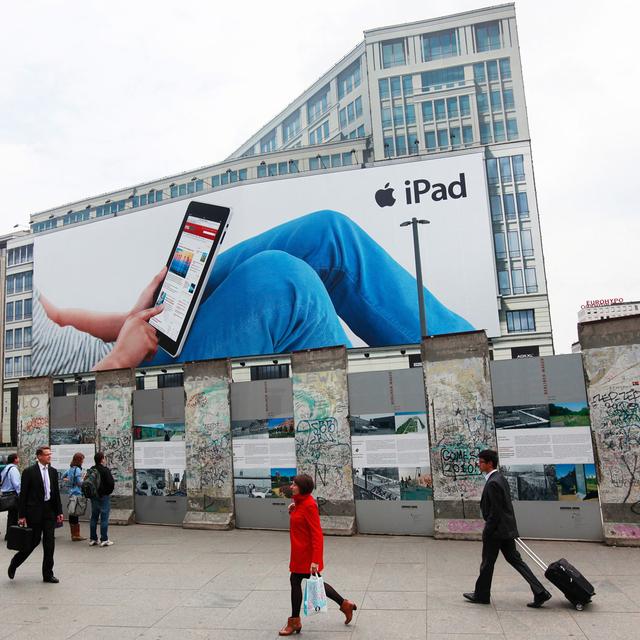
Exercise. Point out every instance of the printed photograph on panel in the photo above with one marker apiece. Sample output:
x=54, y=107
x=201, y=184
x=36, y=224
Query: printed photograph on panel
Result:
x=72, y=435
x=522, y=417
x=250, y=428
x=373, y=424
x=159, y=432
x=281, y=479
x=376, y=483
x=569, y=414
x=161, y=482
x=576, y=482
x=415, y=483
x=281, y=428
x=409, y=422
x=253, y=483
x=531, y=481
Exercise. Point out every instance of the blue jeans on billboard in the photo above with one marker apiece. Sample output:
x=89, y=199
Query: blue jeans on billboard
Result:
x=100, y=508
x=285, y=289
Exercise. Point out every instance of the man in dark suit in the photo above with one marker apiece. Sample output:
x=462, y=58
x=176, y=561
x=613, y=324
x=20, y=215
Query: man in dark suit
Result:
x=40, y=508
x=499, y=534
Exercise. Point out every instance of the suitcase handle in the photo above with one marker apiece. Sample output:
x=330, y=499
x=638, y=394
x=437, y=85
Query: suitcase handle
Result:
x=537, y=559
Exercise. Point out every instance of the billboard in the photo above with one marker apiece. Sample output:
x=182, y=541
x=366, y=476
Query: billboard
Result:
x=307, y=262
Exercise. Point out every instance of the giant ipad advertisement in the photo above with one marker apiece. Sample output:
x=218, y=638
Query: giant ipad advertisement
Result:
x=307, y=262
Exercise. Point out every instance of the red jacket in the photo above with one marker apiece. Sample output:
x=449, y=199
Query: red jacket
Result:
x=306, y=535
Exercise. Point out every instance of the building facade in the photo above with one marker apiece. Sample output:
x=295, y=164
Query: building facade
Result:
x=435, y=88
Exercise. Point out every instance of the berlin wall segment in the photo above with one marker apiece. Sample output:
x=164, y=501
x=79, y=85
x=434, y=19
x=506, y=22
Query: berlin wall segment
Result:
x=33, y=417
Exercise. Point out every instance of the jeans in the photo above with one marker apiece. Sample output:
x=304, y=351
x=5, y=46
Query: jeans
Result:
x=100, y=508
x=285, y=290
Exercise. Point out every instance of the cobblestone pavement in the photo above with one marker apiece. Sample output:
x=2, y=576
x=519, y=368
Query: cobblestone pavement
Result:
x=164, y=582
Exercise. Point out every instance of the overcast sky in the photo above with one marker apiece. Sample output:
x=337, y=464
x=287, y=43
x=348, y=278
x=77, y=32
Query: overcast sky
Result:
x=96, y=96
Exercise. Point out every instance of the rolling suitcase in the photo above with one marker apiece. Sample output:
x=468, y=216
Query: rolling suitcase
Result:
x=19, y=538
x=563, y=575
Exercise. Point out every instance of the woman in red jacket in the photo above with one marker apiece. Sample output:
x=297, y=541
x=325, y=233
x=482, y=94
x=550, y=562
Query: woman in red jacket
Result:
x=306, y=552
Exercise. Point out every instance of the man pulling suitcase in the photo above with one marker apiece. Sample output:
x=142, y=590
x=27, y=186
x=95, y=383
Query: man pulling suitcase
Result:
x=499, y=535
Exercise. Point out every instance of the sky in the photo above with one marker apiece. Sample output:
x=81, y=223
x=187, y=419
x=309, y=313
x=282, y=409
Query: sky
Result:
x=97, y=96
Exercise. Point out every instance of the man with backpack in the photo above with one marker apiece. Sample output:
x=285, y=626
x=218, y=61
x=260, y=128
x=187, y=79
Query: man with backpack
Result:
x=98, y=486
x=10, y=486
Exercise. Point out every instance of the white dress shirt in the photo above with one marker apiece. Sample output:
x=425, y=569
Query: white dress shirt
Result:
x=44, y=472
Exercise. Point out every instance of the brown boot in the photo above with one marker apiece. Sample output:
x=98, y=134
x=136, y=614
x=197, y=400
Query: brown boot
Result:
x=293, y=626
x=75, y=533
x=347, y=607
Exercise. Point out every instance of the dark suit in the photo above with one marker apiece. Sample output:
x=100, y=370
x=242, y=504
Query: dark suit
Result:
x=40, y=515
x=500, y=532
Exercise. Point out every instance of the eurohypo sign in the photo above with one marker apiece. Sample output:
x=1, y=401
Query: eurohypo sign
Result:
x=307, y=262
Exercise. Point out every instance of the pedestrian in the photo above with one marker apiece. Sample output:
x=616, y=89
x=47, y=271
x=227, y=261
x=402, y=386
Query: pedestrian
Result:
x=10, y=486
x=73, y=478
x=40, y=508
x=101, y=506
x=499, y=534
x=306, y=552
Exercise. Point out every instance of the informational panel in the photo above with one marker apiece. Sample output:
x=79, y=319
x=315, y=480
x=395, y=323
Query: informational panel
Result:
x=390, y=447
x=159, y=455
x=264, y=452
x=544, y=442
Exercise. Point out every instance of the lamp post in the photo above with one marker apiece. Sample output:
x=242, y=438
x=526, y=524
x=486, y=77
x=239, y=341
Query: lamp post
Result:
x=414, y=222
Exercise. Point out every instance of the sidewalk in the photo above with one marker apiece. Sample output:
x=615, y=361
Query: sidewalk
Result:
x=170, y=583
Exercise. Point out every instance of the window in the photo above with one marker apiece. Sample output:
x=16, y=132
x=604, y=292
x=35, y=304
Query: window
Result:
x=262, y=170
x=496, y=101
x=492, y=170
x=442, y=44
x=440, y=111
x=398, y=116
x=430, y=137
x=501, y=251
x=8, y=339
x=509, y=206
x=505, y=170
x=503, y=283
x=386, y=116
x=454, y=135
x=20, y=255
x=18, y=310
x=505, y=69
x=531, y=280
x=523, y=204
x=512, y=129
x=242, y=174
x=293, y=168
x=268, y=143
x=488, y=36
x=291, y=126
x=521, y=321
x=407, y=85
x=318, y=105
x=401, y=146
x=27, y=337
x=215, y=182
x=272, y=169
x=321, y=134
x=452, y=107
x=342, y=116
x=492, y=70
x=443, y=138
x=347, y=159
x=427, y=112
x=26, y=365
x=388, y=146
x=383, y=88
x=358, y=105
x=8, y=367
x=395, y=87
x=496, y=208
x=199, y=185
x=467, y=135
x=481, y=99
x=410, y=114
x=17, y=338
x=349, y=79
x=167, y=380
x=516, y=278
x=514, y=246
x=498, y=131
x=518, y=167
x=393, y=53
x=485, y=133
x=439, y=78
x=17, y=366
x=9, y=312
x=527, y=244
x=465, y=106
x=479, y=73
x=509, y=102
x=414, y=143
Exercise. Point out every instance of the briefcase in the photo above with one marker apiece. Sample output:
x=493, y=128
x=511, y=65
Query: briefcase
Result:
x=19, y=538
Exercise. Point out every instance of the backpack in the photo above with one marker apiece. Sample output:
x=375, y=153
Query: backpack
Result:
x=91, y=483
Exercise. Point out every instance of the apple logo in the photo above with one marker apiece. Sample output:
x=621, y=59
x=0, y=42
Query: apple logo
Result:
x=384, y=197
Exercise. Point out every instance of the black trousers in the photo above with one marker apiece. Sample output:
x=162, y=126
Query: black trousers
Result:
x=42, y=530
x=296, y=593
x=490, y=549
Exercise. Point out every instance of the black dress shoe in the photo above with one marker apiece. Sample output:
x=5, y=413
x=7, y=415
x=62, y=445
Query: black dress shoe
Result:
x=471, y=597
x=51, y=579
x=539, y=600
x=11, y=571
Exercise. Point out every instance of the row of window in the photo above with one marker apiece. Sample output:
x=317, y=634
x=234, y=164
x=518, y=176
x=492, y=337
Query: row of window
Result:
x=18, y=366
x=277, y=168
x=319, y=135
x=18, y=310
x=496, y=133
x=331, y=161
x=17, y=338
x=20, y=255
x=446, y=109
x=505, y=169
x=356, y=133
x=19, y=282
x=520, y=244
x=395, y=86
x=350, y=113
x=492, y=70
x=517, y=283
x=442, y=44
x=349, y=79
x=510, y=201
x=445, y=138
x=523, y=320
x=497, y=100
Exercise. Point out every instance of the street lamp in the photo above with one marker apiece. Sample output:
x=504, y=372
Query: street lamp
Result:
x=414, y=222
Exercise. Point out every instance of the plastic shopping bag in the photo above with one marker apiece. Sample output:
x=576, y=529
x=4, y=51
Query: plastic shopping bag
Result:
x=314, y=599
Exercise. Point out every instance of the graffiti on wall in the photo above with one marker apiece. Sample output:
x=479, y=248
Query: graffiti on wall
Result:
x=115, y=437
x=323, y=445
x=460, y=425
x=613, y=374
x=208, y=443
x=33, y=425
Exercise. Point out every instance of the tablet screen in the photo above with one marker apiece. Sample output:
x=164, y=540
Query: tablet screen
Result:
x=186, y=268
